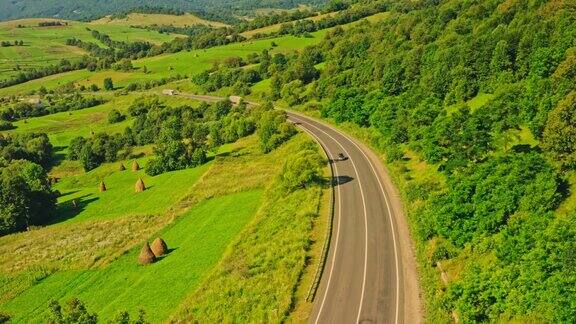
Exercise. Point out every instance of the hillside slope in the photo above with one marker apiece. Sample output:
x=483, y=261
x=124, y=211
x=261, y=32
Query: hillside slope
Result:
x=84, y=9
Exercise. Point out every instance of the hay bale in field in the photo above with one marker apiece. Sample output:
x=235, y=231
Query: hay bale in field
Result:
x=146, y=255
x=135, y=166
x=139, y=186
x=122, y=167
x=102, y=186
x=159, y=247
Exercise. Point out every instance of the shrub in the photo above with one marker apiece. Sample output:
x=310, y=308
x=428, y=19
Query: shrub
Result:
x=114, y=116
x=4, y=318
x=5, y=125
x=75, y=312
x=302, y=170
x=393, y=153
x=108, y=84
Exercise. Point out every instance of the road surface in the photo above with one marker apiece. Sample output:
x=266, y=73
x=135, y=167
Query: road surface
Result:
x=364, y=277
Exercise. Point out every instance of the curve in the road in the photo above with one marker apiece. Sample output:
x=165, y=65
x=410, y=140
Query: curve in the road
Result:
x=337, y=239
x=386, y=309
x=379, y=293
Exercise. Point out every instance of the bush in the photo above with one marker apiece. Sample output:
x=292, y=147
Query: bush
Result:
x=75, y=312
x=4, y=318
x=114, y=116
x=6, y=125
x=274, y=129
x=393, y=153
x=302, y=170
x=108, y=84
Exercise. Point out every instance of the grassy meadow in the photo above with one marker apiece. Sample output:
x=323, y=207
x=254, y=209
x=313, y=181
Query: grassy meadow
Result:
x=140, y=19
x=197, y=239
x=187, y=63
x=47, y=45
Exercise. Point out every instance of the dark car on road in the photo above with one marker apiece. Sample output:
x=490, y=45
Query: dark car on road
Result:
x=342, y=157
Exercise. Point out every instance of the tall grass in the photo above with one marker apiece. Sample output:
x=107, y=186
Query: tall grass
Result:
x=258, y=278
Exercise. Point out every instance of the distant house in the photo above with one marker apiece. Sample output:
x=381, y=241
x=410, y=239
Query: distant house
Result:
x=235, y=99
x=168, y=92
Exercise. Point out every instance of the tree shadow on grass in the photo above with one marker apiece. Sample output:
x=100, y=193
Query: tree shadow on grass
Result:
x=237, y=152
x=69, y=209
x=68, y=193
x=58, y=156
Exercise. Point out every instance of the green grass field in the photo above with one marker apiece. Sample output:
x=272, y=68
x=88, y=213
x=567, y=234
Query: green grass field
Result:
x=64, y=126
x=139, y=19
x=188, y=63
x=198, y=239
x=120, y=200
x=197, y=211
x=47, y=45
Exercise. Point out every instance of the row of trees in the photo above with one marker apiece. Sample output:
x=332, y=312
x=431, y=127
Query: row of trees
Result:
x=8, y=43
x=50, y=104
x=305, y=26
x=182, y=136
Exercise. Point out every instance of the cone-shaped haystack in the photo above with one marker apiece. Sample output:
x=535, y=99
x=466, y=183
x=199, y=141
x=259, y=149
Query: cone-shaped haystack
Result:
x=102, y=186
x=159, y=247
x=140, y=186
x=122, y=167
x=135, y=166
x=146, y=255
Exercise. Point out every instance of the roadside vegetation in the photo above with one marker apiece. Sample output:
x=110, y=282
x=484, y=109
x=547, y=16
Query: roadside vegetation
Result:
x=270, y=253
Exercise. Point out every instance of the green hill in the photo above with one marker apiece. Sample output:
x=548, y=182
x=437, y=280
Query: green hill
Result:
x=88, y=9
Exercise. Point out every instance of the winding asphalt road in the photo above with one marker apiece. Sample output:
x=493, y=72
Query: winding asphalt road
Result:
x=363, y=279
x=370, y=273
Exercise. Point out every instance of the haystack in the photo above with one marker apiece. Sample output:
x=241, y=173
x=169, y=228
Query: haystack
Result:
x=146, y=255
x=139, y=186
x=159, y=247
x=122, y=167
x=102, y=186
x=135, y=166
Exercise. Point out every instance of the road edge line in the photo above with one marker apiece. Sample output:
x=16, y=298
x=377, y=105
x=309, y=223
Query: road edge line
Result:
x=330, y=226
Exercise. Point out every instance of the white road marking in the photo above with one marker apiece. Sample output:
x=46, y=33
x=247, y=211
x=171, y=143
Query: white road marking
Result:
x=331, y=157
x=391, y=222
x=365, y=230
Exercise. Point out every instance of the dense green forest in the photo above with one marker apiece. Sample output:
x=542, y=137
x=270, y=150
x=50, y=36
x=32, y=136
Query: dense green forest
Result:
x=89, y=9
x=483, y=92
